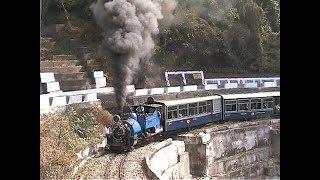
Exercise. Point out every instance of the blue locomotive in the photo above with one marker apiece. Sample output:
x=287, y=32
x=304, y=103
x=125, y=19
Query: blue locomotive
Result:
x=143, y=125
x=149, y=121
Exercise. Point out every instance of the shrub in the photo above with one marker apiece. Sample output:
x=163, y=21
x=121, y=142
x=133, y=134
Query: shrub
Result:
x=64, y=135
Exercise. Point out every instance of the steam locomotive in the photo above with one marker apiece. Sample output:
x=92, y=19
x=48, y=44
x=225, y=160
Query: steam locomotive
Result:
x=149, y=121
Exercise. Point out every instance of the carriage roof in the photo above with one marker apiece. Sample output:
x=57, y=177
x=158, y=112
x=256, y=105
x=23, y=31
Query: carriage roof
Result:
x=150, y=105
x=251, y=95
x=189, y=100
x=225, y=96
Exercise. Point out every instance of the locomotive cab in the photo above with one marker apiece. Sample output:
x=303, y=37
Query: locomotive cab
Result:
x=148, y=117
x=143, y=122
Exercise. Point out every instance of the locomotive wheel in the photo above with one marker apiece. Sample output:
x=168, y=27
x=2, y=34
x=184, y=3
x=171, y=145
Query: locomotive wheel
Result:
x=133, y=141
x=157, y=137
x=151, y=139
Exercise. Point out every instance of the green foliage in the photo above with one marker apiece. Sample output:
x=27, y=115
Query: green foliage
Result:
x=83, y=125
x=210, y=35
x=233, y=15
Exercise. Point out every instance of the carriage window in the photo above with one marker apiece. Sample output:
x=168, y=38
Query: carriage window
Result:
x=149, y=109
x=183, y=110
x=209, y=106
x=172, y=108
x=243, y=104
x=268, y=103
x=192, y=109
x=172, y=112
x=255, y=103
x=217, y=105
x=231, y=105
x=139, y=109
x=202, y=107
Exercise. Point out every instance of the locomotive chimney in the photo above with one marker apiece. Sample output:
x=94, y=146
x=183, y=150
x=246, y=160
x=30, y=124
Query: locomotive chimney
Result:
x=120, y=112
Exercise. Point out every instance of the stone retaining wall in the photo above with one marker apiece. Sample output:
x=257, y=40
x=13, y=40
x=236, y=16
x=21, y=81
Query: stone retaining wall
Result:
x=234, y=150
x=169, y=161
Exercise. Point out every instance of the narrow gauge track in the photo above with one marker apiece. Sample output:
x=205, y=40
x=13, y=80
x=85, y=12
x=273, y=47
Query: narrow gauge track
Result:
x=109, y=169
x=115, y=170
x=121, y=169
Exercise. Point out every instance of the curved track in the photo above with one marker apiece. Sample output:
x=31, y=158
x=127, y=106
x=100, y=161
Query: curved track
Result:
x=121, y=167
x=127, y=165
x=114, y=168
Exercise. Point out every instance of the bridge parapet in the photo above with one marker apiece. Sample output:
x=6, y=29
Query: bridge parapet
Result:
x=54, y=97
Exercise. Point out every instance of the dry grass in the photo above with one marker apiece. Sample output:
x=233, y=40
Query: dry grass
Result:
x=64, y=135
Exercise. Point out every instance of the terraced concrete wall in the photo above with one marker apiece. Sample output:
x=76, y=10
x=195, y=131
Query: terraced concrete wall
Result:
x=169, y=161
x=237, y=150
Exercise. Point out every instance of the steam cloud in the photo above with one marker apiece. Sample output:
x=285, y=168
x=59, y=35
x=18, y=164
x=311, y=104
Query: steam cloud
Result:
x=129, y=27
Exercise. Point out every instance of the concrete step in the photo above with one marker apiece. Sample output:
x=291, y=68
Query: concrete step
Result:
x=46, y=43
x=63, y=57
x=75, y=87
x=45, y=53
x=59, y=63
x=83, y=49
x=96, y=65
x=46, y=38
x=44, y=49
x=88, y=56
x=83, y=52
x=62, y=70
x=92, y=62
x=71, y=76
x=73, y=82
x=97, y=68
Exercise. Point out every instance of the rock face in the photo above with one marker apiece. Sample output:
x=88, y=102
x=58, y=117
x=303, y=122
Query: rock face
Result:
x=237, y=150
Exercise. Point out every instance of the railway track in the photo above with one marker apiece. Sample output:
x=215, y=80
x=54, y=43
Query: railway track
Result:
x=108, y=170
x=125, y=165
x=121, y=166
x=116, y=169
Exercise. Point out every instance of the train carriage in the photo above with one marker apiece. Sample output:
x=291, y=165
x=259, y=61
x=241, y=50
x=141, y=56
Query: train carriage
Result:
x=186, y=113
x=148, y=121
x=249, y=106
x=191, y=112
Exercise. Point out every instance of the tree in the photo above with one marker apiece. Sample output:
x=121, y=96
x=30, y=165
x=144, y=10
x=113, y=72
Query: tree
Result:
x=195, y=42
x=206, y=34
x=244, y=36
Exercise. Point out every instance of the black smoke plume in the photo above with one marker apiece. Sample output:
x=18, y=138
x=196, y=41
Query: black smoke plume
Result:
x=129, y=28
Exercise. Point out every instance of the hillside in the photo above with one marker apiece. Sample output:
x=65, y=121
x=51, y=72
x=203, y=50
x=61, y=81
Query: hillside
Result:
x=224, y=38
x=64, y=135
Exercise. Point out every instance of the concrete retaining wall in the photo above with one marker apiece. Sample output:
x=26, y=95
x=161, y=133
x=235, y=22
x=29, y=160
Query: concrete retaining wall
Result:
x=236, y=150
x=169, y=161
x=250, y=85
x=46, y=109
x=156, y=90
x=210, y=86
x=190, y=88
x=231, y=85
x=141, y=92
x=173, y=89
x=270, y=84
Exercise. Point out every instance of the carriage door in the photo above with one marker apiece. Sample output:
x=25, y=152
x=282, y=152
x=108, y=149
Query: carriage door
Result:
x=216, y=109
